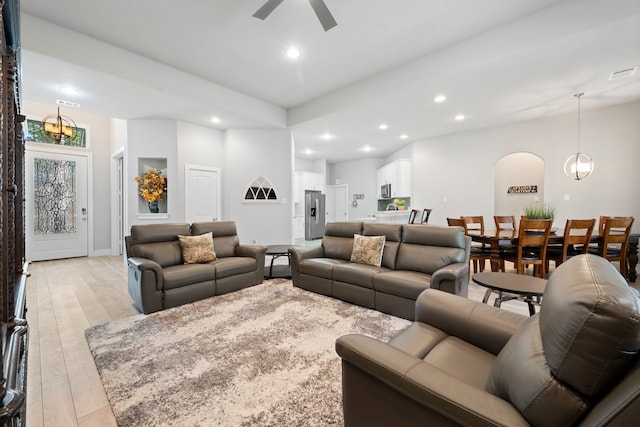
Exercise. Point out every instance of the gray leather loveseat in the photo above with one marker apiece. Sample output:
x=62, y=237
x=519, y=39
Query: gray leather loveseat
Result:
x=159, y=278
x=575, y=363
x=415, y=257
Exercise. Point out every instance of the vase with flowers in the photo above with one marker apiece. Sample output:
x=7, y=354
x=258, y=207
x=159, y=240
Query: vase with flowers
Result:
x=152, y=187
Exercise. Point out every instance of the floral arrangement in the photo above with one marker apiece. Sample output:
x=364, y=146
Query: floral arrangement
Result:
x=152, y=186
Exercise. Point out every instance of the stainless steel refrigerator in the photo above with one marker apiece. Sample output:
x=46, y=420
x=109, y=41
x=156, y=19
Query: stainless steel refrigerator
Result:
x=314, y=215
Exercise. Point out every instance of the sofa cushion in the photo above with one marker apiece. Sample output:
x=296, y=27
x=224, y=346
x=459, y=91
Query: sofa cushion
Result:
x=197, y=249
x=319, y=267
x=164, y=253
x=393, y=236
x=462, y=360
x=356, y=274
x=591, y=324
x=225, y=238
x=405, y=284
x=153, y=233
x=367, y=250
x=232, y=266
x=338, y=239
x=585, y=337
x=427, y=259
x=187, y=274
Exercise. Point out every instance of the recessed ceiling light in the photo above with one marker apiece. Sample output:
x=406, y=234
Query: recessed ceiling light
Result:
x=404, y=136
x=215, y=119
x=383, y=126
x=326, y=136
x=460, y=117
x=366, y=148
x=293, y=52
x=68, y=90
x=440, y=98
x=308, y=151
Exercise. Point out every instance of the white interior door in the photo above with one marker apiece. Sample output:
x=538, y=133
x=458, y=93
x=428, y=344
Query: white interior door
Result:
x=56, y=205
x=337, y=203
x=202, y=194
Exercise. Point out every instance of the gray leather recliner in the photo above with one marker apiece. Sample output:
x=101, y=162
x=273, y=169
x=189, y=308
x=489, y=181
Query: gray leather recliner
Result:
x=575, y=363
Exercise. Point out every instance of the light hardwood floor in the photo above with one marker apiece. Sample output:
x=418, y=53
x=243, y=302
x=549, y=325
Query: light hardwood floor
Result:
x=64, y=298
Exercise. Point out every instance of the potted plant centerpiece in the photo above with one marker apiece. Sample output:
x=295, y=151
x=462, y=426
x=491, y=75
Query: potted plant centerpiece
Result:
x=152, y=187
x=399, y=204
x=540, y=211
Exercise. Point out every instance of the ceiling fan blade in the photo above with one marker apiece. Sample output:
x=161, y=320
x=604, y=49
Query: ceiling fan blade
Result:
x=267, y=8
x=323, y=14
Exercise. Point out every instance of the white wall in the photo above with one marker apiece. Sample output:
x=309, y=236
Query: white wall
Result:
x=153, y=139
x=249, y=154
x=460, y=167
x=197, y=145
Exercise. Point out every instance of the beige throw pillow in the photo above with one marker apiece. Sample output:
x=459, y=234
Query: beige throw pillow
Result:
x=196, y=249
x=367, y=249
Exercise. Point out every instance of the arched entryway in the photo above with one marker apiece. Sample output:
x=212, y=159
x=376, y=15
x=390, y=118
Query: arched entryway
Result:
x=518, y=180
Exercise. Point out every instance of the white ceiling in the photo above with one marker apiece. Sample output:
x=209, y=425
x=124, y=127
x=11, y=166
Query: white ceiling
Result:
x=498, y=61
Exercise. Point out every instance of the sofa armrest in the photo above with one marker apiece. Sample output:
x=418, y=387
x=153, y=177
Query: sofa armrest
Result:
x=147, y=265
x=452, y=278
x=298, y=254
x=145, y=284
x=251, y=251
x=482, y=325
x=437, y=391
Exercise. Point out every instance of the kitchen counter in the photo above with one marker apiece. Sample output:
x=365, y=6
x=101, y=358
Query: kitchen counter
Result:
x=398, y=217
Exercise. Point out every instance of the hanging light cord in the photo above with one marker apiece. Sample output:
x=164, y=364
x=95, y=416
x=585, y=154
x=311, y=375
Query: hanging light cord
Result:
x=578, y=95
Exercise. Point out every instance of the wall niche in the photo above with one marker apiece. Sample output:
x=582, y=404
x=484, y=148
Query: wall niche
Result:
x=154, y=170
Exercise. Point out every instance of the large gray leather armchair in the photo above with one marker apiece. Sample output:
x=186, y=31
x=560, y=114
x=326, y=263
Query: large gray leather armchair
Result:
x=575, y=363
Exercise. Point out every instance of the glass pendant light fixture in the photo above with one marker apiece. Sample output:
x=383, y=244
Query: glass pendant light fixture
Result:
x=579, y=165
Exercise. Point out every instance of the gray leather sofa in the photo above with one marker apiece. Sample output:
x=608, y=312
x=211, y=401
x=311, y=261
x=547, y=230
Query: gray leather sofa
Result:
x=575, y=363
x=159, y=279
x=415, y=257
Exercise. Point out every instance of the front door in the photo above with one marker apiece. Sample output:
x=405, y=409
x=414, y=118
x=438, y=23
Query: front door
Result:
x=56, y=205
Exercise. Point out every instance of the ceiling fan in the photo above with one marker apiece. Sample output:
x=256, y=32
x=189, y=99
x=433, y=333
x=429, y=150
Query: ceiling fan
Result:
x=319, y=7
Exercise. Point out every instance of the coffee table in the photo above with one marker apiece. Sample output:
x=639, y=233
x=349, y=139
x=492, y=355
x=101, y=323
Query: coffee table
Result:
x=529, y=288
x=275, y=252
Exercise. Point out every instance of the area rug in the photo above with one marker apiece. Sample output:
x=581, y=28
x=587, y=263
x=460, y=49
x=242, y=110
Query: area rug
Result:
x=262, y=356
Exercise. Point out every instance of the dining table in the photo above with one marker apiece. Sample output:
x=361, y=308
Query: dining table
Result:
x=498, y=240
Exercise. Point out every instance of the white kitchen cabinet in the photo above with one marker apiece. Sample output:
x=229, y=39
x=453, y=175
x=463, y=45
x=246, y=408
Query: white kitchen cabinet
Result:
x=306, y=181
x=398, y=174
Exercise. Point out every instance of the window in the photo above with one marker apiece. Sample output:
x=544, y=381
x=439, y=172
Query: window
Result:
x=260, y=189
x=36, y=133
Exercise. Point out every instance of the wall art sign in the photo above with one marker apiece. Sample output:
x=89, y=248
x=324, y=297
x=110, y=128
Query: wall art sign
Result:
x=522, y=189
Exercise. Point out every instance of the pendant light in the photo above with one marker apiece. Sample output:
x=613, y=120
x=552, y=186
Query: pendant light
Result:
x=579, y=165
x=59, y=128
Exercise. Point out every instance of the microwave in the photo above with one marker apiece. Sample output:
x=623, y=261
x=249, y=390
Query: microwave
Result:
x=385, y=191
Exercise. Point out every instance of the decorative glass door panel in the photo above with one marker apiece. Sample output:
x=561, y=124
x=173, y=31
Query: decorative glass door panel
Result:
x=54, y=196
x=56, y=206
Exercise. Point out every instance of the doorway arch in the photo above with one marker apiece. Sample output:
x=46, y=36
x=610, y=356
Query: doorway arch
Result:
x=518, y=181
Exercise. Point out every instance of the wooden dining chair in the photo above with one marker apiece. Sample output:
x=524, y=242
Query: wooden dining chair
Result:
x=505, y=222
x=477, y=255
x=412, y=215
x=615, y=239
x=577, y=233
x=426, y=213
x=533, y=237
